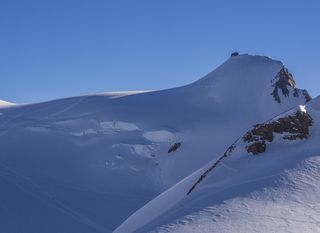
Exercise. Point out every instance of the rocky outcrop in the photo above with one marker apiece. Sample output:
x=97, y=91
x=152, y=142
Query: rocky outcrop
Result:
x=234, y=54
x=306, y=95
x=284, y=82
x=257, y=147
x=292, y=127
x=174, y=147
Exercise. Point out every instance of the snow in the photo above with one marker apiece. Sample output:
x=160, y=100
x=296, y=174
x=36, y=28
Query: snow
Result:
x=119, y=126
x=89, y=131
x=5, y=104
x=257, y=213
x=37, y=129
x=158, y=206
x=119, y=94
x=133, y=168
x=159, y=136
x=88, y=163
x=141, y=150
x=282, y=207
x=73, y=126
x=275, y=191
x=302, y=108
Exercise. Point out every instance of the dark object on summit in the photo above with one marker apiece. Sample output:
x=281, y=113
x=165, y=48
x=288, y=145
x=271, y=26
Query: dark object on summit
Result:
x=234, y=54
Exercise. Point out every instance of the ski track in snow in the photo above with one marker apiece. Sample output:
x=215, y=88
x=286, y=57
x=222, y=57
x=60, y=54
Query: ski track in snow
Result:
x=68, y=107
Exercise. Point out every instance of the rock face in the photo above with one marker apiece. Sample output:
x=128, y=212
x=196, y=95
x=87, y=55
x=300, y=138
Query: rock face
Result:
x=284, y=81
x=225, y=155
x=174, y=147
x=234, y=54
x=306, y=95
x=294, y=127
x=257, y=147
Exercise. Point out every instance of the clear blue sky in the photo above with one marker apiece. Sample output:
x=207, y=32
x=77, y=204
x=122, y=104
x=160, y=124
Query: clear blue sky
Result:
x=58, y=48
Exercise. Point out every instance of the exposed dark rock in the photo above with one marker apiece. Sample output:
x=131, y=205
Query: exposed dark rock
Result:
x=306, y=95
x=257, y=147
x=174, y=147
x=295, y=126
x=234, y=54
x=227, y=153
x=284, y=81
x=259, y=131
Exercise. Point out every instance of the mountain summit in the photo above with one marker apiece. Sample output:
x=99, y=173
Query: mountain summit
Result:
x=88, y=163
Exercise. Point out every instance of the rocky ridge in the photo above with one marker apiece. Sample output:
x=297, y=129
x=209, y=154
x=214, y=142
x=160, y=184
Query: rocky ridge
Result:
x=283, y=82
x=292, y=127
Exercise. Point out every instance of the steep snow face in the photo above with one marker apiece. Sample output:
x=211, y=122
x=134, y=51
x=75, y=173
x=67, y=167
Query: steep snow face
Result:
x=249, y=81
x=98, y=158
x=291, y=205
x=277, y=189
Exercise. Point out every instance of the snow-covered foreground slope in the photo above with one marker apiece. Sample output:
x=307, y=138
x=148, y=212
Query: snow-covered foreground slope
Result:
x=273, y=191
x=85, y=164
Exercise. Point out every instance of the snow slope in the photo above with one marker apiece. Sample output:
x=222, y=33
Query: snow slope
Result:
x=276, y=191
x=85, y=164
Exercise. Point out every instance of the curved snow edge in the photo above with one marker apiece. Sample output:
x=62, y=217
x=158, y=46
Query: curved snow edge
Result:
x=166, y=200
x=5, y=104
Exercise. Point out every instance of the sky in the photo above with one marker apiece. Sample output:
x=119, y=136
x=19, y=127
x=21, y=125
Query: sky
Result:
x=61, y=48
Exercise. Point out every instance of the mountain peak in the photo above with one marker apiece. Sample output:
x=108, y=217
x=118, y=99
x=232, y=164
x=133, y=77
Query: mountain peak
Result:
x=252, y=57
x=245, y=66
x=135, y=147
x=247, y=76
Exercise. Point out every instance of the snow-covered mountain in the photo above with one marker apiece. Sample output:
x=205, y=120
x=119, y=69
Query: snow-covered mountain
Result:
x=161, y=160
x=276, y=189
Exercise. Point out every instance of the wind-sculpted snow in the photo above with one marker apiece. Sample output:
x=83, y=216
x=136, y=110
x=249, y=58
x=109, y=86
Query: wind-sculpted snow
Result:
x=291, y=205
x=277, y=190
x=159, y=136
x=87, y=163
